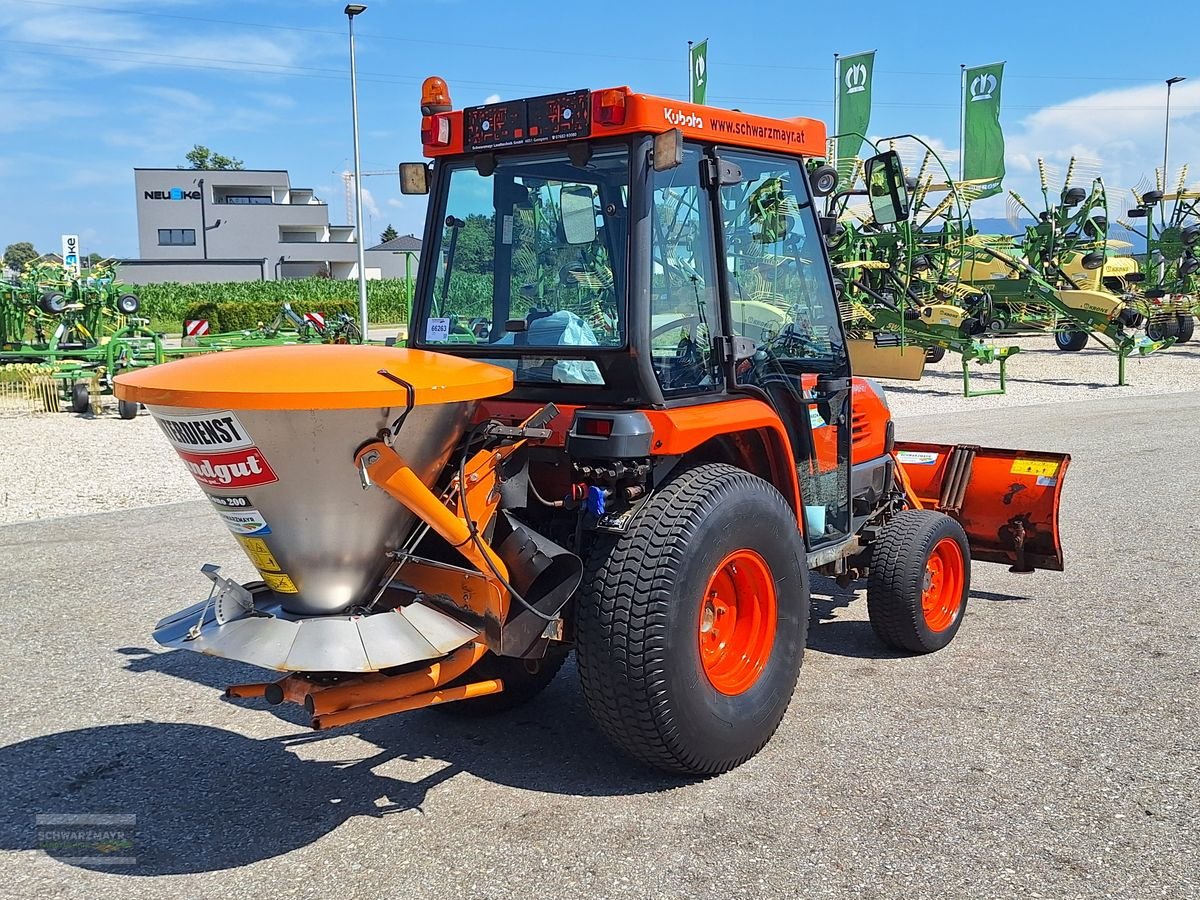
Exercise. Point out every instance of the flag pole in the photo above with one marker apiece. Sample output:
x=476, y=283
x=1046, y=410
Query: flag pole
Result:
x=962, y=123
x=691, y=98
x=837, y=107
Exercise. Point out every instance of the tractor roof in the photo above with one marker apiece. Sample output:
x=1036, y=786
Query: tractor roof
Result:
x=585, y=114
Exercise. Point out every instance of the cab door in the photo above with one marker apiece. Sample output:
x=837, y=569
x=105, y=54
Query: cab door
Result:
x=779, y=294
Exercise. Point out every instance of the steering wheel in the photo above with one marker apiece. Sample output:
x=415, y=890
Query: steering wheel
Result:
x=688, y=367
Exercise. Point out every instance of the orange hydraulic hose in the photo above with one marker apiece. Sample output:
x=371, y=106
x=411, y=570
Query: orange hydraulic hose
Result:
x=389, y=472
x=908, y=488
x=387, y=707
x=362, y=692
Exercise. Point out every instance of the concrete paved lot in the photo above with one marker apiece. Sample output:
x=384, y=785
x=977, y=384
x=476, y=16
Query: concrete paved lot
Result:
x=1052, y=751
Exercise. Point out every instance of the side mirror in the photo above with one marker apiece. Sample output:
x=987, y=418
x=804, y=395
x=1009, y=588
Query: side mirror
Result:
x=577, y=206
x=414, y=178
x=886, y=188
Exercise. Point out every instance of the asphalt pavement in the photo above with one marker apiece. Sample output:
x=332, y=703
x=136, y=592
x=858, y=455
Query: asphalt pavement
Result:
x=1051, y=751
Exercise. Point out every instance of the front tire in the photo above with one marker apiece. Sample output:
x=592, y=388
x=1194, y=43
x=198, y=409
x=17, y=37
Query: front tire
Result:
x=691, y=625
x=919, y=579
x=128, y=409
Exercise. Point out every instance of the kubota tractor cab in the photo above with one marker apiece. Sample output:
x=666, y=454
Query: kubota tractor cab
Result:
x=624, y=424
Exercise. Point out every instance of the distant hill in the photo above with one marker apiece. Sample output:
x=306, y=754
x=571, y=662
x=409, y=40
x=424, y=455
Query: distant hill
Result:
x=1001, y=226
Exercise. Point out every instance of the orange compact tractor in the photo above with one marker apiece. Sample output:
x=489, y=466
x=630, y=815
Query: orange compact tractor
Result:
x=624, y=424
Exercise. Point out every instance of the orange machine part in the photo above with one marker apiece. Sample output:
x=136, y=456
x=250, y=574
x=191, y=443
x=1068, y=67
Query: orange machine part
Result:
x=1011, y=499
x=797, y=136
x=313, y=376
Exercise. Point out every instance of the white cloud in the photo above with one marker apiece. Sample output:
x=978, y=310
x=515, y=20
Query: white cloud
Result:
x=370, y=207
x=491, y=98
x=395, y=203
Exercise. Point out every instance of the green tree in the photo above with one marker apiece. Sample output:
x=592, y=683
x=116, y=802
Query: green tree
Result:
x=94, y=258
x=389, y=234
x=16, y=255
x=474, y=252
x=200, y=157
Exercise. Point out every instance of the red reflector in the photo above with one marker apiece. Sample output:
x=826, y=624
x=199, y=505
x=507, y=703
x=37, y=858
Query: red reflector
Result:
x=435, y=131
x=610, y=107
x=595, y=427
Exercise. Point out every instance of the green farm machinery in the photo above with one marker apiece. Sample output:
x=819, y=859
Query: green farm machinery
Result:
x=901, y=296
x=1170, y=271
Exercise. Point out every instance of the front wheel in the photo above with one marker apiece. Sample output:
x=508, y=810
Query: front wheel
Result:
x=691, y=625
x=918, y=583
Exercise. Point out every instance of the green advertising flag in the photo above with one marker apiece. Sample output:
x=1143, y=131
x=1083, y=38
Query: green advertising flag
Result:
x=854, y=75
x=983, y=138
x=698, y=63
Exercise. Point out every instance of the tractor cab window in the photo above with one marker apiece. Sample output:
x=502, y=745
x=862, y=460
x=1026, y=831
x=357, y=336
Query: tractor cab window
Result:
x=779, y=284
x=684, y=314
x=532, y=257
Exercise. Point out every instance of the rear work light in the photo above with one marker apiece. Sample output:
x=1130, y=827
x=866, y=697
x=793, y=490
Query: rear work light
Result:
x=610, y=107
x=435, y=131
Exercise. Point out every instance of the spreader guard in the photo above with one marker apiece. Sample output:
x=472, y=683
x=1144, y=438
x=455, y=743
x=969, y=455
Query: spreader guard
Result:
x=1005, y=500
x=264, y=634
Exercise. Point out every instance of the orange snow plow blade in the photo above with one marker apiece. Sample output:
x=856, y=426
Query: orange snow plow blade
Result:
x=1006, y=500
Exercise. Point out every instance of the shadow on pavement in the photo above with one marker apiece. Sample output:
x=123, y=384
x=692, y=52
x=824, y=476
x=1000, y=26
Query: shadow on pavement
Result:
x=207, y=799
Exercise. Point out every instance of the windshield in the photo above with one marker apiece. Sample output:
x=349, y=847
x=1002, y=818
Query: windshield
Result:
x=533, y=256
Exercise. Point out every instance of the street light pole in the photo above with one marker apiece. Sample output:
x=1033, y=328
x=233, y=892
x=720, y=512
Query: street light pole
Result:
x=352, y=10
x=1167, y=126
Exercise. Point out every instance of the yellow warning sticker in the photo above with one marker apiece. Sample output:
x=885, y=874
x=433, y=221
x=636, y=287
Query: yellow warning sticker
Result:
x=262, y=557
x=280, y=583
x=1045, y=468
x=253, y=545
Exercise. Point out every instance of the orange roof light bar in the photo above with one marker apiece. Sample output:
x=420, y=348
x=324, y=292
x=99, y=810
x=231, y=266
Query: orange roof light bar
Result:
x=613, y=112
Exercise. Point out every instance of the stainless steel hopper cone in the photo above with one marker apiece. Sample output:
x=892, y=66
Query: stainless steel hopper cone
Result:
x=270, y=433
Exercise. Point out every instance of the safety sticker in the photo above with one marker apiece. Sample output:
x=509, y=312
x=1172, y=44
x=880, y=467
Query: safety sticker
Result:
x=1047, y=480
x=231, y=502
x=437, y=330
x=236, y=469
x=246, y=521
x=279, y=583
x=916, y=457
x=253, y=545
x=210, y=431
x=1045, y=467
x=815, y=419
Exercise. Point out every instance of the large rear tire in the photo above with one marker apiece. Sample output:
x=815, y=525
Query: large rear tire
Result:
x=919, y=579
x=1071, y=340
x=691, y=625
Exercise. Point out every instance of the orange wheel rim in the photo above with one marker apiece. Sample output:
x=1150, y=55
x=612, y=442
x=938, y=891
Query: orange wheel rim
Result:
x=738, y=614
x=941, y=597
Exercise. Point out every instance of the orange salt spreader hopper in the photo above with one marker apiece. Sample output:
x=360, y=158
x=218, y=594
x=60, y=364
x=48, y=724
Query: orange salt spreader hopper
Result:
x=275, y=439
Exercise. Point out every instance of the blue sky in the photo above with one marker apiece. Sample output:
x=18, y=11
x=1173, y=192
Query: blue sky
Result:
x=89, y=90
